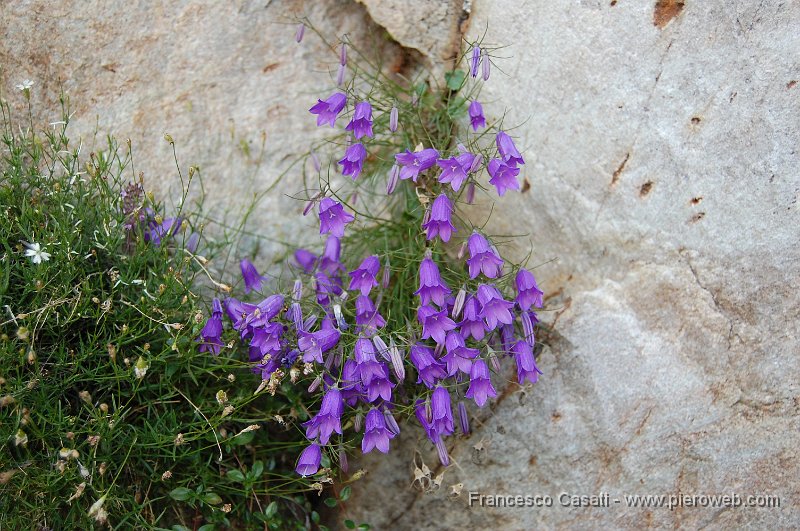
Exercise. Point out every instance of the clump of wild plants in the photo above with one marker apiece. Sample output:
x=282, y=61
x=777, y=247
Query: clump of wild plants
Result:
x=109, y=413
x=406, y=309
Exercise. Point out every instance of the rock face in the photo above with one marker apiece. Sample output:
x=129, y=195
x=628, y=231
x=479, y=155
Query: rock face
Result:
x=661, y=147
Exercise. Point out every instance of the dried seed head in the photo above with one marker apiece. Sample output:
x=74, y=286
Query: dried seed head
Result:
x=166, y=475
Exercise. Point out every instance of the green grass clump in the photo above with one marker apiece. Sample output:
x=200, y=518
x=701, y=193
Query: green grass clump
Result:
x=109, y=415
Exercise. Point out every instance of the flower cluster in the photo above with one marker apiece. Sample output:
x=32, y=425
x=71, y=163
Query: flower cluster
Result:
x=448, y=336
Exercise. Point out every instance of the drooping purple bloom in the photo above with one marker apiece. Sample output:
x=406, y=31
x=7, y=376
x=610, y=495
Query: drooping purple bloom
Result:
x=431, y=285
x=441, y=412
x=459, y=357
x=328, y=110
x=528, y=292
x=351, y=383
x=329, y=261
x=364, y=278
x=305, y=259
x=482, y=257
x=252, y=280
x=429, y=369
x=480, y=384
x=455, y=169
x=476, y=61
x=329, y=418
x=193, y=242
x=265, y=340
x=435, y=324
x=376, y=434
x=308, y=463
x=476, y=117
x=494, y=308
x=374, y=375
x=439, y=223
x=156, y=232
x=367, y=317
x=393, y=118
x=503, y=176
x=526, y=363
x=353, y=160
x=413, y=163
x=333, y=217
x=326, y=285
x=508, y=151
x=361, y=123
x=210, y=337
x=314, y=344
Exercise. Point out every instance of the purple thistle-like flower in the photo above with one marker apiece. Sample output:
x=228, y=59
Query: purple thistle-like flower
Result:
x=367, y=316
x=394, y=115
x=314, y=344
x=483, y=259
x=495, y=309
x=472, y=324
x=528, y=292
x=526, y=363
x=480, y=384
x=373, y=374
x=328, y=110
x=435, y=324
x=504, y=176
x=364, y=278
x=413, y=163
x=329, y=418
x=476, y=117
x=308, y=463
x=353, y=160
x=508, y=151
x=439, y=223
x=431, y=285
x=441, y=412
x=252, y=280
x=455, y=169
x=459, y=357
x=333, y=217
x=429, y=369
x=476, y=61
x=210, y=337
x=361, y=124
x=376, y=434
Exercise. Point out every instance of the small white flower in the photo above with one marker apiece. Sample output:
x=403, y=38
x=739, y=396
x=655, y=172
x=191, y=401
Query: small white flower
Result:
x=35, y=252
x=25, y=85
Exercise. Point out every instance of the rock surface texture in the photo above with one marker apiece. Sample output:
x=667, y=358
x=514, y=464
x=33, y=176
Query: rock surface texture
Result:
x=661, y=141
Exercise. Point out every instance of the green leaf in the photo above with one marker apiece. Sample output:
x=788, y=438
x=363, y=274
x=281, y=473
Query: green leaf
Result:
x=244, y=438
x=331, y=502
x=180, y=494
x=258, y=469
x=349, y=524
x=178, y=527
x=207, y=527
x=325, y=461
x=271, y=509
x=315, y=517
x=212, y=498
x=345, y=494
x=455, y=79
x=235, y=475
x=364, y=527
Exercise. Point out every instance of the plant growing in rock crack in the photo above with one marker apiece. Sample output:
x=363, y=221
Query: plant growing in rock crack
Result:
x=406, y=309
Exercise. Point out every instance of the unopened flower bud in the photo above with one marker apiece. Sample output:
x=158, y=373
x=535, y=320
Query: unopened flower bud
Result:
x=387, y=275
x=485, y=65
x=343, y=464
x=476, y=163
x=397, y=363
x=359, y=418
x=476, y=61
x=527, y=329
x=337, y=312
x=391, y=423
x=470, y=193
x=463, y=418
x=315, y=161
x=340, y=75
x=458, y=305
x=394, y=177
x=394, y=115
x=315, y=384
x=140, y=369
x=343, y=54
x=301, y=30
x=381, y=346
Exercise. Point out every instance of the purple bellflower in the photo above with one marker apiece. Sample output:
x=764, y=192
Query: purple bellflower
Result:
x=476, y=117
x=435, y=324
x=528, y=293
x=455, y=169
x=305, y=259
x=210, y=337
x=472, y=325
x=508, y=151
x=431, y=285
x=329, y=418
x=364, y=277
x=495, y=309
x=459, y=357
x=439, y=223
x=441, y=412
x=483, y=258
x=413, y=163
x=376, y=434
x=157, y=232
x=329, y=261
x=429, y=369
x=309, y=460
x=252, y=280
x=314, y=344
x=353, y=160
x=328, y=110
x=476, y=61
x=367, y=317
x=480, y=384
x=373, y=374
x=503, y=176
x=526, y=363
x=332, y=217
x=361, y=124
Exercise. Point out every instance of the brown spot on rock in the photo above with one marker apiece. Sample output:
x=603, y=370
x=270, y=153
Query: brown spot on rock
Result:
x=556, y=416
x=791, y=84
x=665, y=11
x=695, y=120
x=696, y=200
x=613, y=3
x=526, y=186
x=645, y=189
x=697, y=217
x=618, y=171
x=269, y=67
